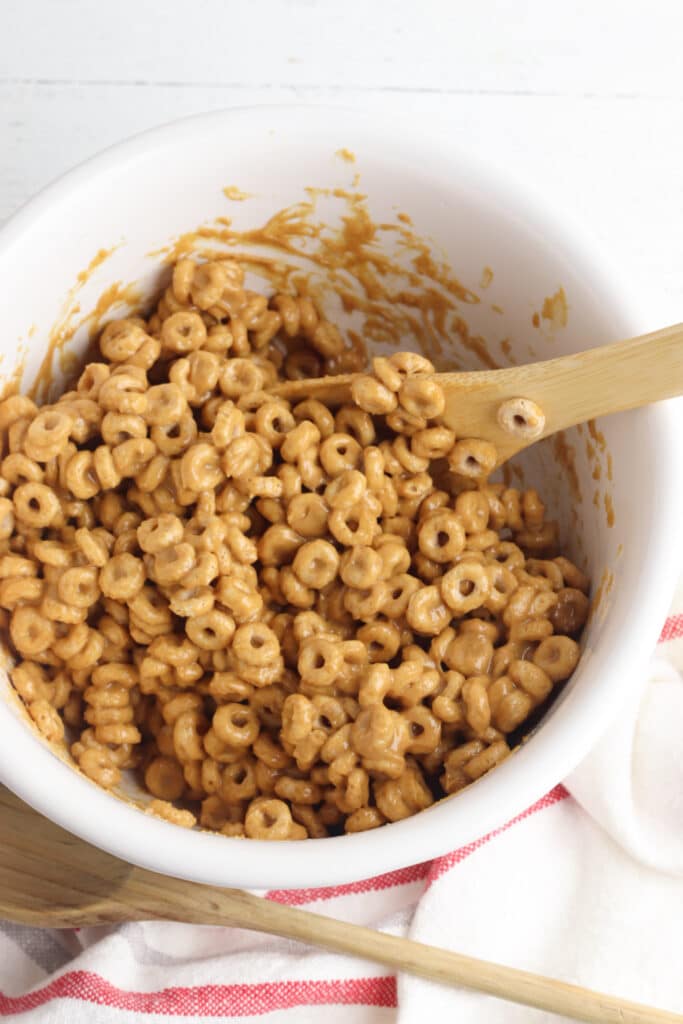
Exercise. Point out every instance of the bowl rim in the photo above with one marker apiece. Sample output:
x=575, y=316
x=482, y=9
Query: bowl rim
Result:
x=203, y=856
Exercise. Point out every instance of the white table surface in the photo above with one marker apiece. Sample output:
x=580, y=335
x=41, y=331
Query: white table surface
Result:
x=582, y=100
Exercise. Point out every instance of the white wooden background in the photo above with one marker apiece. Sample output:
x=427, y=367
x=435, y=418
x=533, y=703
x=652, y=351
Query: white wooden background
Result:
x=583, y=99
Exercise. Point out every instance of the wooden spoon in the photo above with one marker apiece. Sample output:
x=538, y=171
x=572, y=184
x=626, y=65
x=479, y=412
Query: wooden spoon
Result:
x=490, y=404
x=49, y=878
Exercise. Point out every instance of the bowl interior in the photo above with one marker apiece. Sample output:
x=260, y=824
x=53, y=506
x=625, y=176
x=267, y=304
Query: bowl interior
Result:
x=507, y=287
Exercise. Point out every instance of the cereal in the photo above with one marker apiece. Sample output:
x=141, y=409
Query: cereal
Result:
x=290, y=622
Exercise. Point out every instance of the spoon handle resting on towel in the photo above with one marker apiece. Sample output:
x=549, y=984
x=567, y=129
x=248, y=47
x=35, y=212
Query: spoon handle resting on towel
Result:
x=51, y=879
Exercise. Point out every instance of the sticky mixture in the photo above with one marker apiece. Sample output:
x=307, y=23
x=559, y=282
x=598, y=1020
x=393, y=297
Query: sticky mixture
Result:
x=290, y=621
x=555, y=309
x=235, y=194
x=383, y=276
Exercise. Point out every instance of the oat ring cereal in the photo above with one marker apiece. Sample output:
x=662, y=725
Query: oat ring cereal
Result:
x=289, y=621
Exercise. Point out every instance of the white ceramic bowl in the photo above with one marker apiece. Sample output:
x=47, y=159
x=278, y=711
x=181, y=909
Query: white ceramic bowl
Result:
x=139, y=194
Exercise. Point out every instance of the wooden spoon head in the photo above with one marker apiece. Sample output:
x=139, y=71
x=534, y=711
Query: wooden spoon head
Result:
x=473, y=402
x=52, y=879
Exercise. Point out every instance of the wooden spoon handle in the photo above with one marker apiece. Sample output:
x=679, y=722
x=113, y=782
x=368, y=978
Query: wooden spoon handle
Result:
x=200, y=904
x=611, y=378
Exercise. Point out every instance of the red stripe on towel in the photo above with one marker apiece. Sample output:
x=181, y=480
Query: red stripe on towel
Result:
x=207, y=1000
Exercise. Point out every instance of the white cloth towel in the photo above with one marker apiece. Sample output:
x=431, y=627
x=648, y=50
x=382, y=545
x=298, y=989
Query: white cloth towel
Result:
x=586, y=886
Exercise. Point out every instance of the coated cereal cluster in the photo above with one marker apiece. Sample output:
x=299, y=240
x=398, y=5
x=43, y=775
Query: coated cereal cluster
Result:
x=290, y=620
